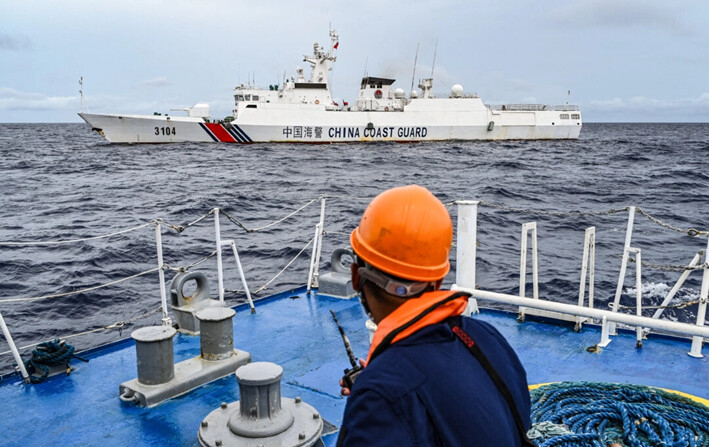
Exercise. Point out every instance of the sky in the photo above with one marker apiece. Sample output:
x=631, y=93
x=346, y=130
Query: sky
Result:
x=621, y=60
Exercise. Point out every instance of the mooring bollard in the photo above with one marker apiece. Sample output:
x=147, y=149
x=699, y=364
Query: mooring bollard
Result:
x=216, y=332
x=153, y=348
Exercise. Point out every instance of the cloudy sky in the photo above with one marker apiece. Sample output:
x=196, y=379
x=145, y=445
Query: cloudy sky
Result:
x=622, y=60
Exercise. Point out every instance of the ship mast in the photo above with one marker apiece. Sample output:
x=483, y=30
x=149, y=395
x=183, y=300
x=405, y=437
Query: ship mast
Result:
x=321, y=61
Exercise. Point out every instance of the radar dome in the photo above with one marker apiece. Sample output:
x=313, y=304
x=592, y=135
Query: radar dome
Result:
x=414, y=94
x=457, y=91
x=399, y=93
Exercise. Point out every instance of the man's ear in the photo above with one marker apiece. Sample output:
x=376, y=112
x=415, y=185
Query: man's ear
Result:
x=355, y=276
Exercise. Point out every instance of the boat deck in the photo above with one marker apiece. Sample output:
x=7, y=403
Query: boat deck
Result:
x=297, y=332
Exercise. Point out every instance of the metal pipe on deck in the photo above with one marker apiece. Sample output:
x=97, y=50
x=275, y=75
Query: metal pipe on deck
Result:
x=572, y=309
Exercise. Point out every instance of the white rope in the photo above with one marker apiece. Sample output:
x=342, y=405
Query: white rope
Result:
x=118, y=325
x=332, y=196
x=284, y=268
x=251, y=230
x=181, y=228
x=71, y=241
x=58, y=295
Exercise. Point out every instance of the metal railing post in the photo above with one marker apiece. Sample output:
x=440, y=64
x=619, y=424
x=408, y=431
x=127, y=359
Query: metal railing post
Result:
x=241, y=274
x=218, y=237
x=696, y=350
x=587, y=269
x=466, y=249
x=13, y=348
x=317, y=243
x=678, y=285
x=638, y=294
x=623, y=265
x=166, y=321
x=605, y=336
x=526, y=228
x=312, y=257
x=316, y=266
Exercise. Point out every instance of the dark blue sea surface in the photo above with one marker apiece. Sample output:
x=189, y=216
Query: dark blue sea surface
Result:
x=61, y=181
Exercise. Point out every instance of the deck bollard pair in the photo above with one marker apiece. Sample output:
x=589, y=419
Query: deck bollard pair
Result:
x=159, y=378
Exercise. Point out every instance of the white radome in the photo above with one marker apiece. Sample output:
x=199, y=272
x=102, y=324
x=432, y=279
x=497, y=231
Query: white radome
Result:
x=457, y=91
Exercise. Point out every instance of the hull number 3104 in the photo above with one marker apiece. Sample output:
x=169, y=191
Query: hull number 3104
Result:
x=164, y=131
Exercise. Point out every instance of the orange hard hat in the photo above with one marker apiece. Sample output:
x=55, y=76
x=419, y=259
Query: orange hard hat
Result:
x=405, y=232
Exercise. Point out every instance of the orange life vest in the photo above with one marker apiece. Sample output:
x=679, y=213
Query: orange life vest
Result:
x=415, y=314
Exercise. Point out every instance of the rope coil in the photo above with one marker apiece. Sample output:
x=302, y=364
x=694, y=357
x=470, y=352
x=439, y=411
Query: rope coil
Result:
x=600, y=414
x=50, y=353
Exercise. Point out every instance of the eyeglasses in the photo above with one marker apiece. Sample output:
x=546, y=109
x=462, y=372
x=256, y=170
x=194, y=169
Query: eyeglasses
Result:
x=393, y=286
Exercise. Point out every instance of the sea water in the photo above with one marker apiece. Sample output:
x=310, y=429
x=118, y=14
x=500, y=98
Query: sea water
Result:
x=63, y=182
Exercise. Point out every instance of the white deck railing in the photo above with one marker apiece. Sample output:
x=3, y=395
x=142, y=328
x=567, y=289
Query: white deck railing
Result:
x=466, y=281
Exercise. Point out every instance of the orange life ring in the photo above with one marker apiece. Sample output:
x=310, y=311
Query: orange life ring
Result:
x=317, y=101
x=386, y=109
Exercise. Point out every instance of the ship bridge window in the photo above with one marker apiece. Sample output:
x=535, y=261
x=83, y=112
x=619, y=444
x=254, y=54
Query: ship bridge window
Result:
x=254, y=98
x=239, y=97
x=575, y=116
x=247, y=97
x=564, y=116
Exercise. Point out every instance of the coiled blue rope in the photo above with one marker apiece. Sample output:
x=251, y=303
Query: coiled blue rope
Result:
x=50, y=353
x=599, y=414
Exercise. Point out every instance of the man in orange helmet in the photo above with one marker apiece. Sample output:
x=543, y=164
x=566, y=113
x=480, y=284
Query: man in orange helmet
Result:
x=432, y=376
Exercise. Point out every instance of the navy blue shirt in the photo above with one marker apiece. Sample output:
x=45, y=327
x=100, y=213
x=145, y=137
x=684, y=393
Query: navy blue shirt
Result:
x=429, y=390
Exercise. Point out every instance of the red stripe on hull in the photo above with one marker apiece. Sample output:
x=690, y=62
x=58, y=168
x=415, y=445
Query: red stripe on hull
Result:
x=221, y=133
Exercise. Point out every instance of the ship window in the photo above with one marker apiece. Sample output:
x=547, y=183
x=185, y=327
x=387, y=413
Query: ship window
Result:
x=575, y=116
x=239, y=97
x=564, y=116
x=254, y=98
x=247, y=97
x=251, y=106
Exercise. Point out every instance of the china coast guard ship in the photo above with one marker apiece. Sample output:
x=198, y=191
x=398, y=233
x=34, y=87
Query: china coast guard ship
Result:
x=304, y=111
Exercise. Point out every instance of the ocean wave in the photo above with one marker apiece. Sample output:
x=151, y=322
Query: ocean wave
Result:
x=67, y=183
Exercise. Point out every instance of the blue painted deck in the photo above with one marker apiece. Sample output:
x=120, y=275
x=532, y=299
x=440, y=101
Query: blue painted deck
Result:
x=297, y=332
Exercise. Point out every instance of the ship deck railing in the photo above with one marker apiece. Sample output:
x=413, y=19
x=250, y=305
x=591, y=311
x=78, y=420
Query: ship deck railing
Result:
x=581, y=312
x=532, y=107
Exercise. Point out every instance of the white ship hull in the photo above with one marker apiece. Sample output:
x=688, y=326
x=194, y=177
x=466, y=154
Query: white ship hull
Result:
x=315, y=124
